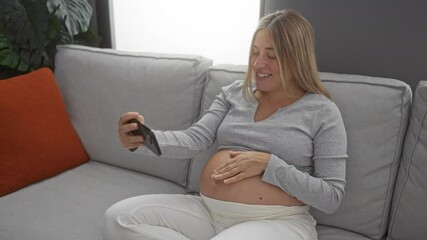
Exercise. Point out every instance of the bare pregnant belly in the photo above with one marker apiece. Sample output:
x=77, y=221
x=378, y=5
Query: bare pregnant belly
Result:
x=248, y=191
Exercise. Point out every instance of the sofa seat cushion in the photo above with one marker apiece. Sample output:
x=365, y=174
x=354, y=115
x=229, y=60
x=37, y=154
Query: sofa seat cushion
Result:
x=37, y=139
x=331, y=233
x=99, y=85
x=410, y=195
x=71, y=205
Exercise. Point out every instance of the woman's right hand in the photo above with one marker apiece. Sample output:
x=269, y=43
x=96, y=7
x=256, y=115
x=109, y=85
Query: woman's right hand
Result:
x=124, y=129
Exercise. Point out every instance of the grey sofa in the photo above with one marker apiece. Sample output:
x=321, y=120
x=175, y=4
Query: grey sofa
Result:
x=386, y=192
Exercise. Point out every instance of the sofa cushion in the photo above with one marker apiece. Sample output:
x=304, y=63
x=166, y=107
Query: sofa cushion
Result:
x=410, y=196
x=165, y=88
x=218, y=77
x=331, y=233
x=37, y=139
x=375, y=113
x=71, y=205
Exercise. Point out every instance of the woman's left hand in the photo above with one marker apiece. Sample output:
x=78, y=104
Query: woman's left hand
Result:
x=241, y=165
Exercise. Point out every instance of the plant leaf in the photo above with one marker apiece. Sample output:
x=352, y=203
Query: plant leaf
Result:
x=76, y=14
x=25, y=22
x=5, y=48
x=90, y=38
x=9, y=57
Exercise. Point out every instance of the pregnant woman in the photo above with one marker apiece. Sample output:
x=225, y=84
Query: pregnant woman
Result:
x=282, y=149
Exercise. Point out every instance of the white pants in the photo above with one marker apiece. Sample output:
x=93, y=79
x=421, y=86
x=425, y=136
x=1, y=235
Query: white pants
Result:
x=185, y=217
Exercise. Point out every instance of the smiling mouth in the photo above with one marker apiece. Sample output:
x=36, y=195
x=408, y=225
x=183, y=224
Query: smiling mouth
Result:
x=263, y=75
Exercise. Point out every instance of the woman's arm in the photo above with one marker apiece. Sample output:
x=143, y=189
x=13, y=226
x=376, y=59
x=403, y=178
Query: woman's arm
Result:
x=201, y=135
x=324, y=189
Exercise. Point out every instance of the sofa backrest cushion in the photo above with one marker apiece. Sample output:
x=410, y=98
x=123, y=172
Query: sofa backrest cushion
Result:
x=410, y=195
x=37, y=140
x=376, y=114
x=99, y=85
x=218, y=76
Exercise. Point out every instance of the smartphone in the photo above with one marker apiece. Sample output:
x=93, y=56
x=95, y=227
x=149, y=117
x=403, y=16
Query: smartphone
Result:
x=150, y=139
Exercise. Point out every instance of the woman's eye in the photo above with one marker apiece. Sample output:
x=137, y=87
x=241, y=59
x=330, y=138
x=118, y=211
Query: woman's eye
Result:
x=271, y=56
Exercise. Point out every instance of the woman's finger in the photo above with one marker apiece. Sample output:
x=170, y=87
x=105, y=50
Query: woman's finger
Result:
x=235, y=153
x=235, y=178
x=226, y=166
x=226, y=174
x=124, y=118
x=132, y=145
x=125, y=129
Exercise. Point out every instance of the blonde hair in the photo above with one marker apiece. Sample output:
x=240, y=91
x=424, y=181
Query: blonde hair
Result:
x=293, y=41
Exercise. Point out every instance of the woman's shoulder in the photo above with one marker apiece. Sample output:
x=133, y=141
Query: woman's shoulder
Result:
x=238, y=84
x=319, y=100
x=234, y=87
x=324, y=105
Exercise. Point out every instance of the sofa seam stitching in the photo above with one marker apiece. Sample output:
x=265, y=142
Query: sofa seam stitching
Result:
x=407, y=172
x=395, y=158
x=189, y=58
x=401, y=87
x=193, y=120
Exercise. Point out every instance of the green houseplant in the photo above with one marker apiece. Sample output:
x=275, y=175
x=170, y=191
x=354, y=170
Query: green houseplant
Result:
x=30, y=30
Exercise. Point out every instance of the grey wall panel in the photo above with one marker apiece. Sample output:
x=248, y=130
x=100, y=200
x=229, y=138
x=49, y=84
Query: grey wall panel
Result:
x=381, y=38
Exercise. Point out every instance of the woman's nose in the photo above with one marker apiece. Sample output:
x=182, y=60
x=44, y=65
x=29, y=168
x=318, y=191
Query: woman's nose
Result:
x=260, y=61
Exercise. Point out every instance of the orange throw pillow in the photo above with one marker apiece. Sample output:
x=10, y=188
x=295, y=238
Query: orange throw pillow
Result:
x=37, y=139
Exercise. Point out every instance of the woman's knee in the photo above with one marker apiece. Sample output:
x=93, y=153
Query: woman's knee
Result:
x=175, y=212
x=114, y=215
x=109, y=223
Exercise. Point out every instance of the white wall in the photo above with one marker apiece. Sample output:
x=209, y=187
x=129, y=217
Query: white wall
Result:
x=218, y=29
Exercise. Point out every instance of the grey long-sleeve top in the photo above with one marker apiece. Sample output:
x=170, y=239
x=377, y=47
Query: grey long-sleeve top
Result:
x=307, y=142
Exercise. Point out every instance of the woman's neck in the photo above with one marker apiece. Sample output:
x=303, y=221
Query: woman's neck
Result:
x=280, y=97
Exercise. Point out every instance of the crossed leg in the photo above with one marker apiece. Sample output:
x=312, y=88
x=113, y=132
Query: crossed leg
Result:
x=163, y=216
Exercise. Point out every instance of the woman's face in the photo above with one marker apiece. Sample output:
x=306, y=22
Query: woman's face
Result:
x=265, y=63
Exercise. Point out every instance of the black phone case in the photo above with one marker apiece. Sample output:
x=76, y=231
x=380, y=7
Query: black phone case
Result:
x=150, y=139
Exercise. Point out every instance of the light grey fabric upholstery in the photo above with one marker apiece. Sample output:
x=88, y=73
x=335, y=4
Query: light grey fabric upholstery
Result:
x=375, y=112
x=99, y=85
x=218, y=76
x=409, y=208
x=71, y=205
x=331, y=233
